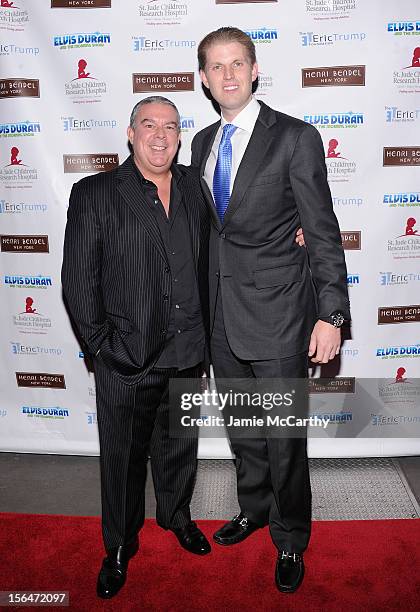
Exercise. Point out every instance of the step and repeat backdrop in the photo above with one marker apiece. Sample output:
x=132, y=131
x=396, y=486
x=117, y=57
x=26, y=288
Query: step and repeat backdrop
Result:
x=71, y=71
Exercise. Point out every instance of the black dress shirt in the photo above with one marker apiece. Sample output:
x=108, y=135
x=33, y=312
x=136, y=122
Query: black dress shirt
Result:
x=185, y=339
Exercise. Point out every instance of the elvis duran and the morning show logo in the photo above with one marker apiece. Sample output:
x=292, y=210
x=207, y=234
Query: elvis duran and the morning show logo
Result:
x=25, y=281
x=30, y=320
x=89, y=162
x=330, y=9
x=402, y=199
x=80, y=4
x=13, y=15
x=19, y=128
x=324, y=39
x=163, y=12
x=407, y=244
x=262, y=35
x=17, y=174
x=407, y=78
x=399, y=352
x=388, y=315
x=81, y=40
x=86, y=86
x=340, y=168
x=144, y=44
x=163, y=81
x=19, y=88
x=45, y=412
x=334, y=76
x=404, y=28
x=348, y=119
x=401, y=156
x=353, y=280
x=187, y=123
x=24, y=244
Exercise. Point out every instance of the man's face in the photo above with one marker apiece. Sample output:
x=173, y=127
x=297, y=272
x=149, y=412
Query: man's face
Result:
x=155, y=138
x=229, y=75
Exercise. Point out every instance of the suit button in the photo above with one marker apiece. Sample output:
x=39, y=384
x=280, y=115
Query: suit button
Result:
x=217, y=274
x=166, y=297
x=163, y=332
x=223, y=236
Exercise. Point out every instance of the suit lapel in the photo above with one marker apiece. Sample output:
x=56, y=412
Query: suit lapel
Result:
x=132, y=194
x=254, y=154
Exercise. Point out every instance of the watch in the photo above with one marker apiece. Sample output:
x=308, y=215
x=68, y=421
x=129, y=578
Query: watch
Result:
x=336, y=318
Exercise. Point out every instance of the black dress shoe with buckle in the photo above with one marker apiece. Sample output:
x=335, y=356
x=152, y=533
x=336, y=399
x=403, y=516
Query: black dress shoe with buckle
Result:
x=237, y=530
x=192, y=539
x=290, y=570
x=114, y=569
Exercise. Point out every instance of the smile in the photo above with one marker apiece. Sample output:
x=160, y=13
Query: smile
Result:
x=157, y=148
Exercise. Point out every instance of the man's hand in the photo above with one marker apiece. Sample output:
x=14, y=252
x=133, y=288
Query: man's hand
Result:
x=325, y=342
x=300, y=238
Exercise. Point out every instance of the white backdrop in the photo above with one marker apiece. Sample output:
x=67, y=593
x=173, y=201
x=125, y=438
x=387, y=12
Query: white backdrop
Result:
x=68, y=70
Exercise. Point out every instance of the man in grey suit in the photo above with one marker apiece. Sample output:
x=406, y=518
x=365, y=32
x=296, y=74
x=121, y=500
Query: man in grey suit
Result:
x=136, y=242
x=272, y=303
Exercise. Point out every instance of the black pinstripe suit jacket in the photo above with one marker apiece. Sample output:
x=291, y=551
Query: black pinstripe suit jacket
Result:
x=116, y=276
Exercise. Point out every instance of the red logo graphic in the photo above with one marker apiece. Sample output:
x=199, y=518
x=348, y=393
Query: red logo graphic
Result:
x=81, y=74
x=415, y=62
x=409, y=228
x=8, y=4
x=399, y=378
x=14, y=161
x=331, y=153
x=28, y=307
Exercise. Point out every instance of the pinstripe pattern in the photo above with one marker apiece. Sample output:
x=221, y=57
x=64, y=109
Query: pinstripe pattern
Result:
x=115, y=275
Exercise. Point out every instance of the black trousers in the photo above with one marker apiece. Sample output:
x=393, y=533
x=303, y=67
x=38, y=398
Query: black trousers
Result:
x=133, y=422
x=272, y=473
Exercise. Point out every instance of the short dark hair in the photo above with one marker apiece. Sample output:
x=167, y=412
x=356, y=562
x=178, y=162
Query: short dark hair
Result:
x=225, y=35
x=152, y=100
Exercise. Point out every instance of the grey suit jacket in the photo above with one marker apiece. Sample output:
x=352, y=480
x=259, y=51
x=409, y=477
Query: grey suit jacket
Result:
x=272, y=289
x=116, y=276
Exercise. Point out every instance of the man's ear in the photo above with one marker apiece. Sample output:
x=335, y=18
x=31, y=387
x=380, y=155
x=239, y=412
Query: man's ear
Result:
x=130, y=134
x=204, y=79
x=254, y=71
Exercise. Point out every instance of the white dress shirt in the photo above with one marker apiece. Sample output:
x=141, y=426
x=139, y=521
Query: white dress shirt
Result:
x=245, y=123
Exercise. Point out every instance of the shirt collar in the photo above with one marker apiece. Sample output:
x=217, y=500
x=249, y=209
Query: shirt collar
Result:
x=176, y=172
x=246, y=119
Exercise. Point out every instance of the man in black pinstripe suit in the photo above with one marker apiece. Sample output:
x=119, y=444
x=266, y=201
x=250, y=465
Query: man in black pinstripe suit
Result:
x=136, y=243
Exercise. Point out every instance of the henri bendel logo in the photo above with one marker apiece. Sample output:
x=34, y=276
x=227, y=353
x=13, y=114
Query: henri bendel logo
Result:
x=398, y=314
x=163, y=81
x=24, y=244
x=18, y=88
x=40, y=379
x=333, y=76
x=352, y=241
x=90, y=162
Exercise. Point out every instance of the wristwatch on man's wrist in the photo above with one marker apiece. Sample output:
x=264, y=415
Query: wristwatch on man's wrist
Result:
x=336, y=318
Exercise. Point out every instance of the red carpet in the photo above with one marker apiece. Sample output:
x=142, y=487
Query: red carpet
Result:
x=351, y=565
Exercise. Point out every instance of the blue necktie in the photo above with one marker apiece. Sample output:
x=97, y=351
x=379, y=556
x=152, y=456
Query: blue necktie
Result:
x=221, y=177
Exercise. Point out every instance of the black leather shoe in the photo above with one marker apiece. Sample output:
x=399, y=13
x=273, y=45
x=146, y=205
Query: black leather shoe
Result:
x=192, y=539
x=290, y=570
x=114, y=569
x=237, y=530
